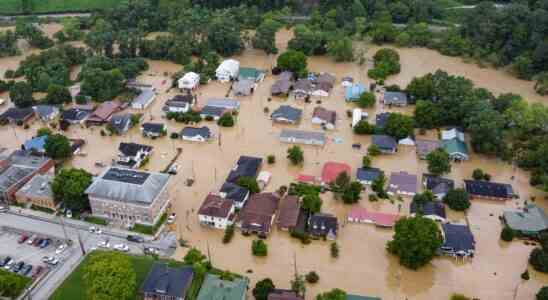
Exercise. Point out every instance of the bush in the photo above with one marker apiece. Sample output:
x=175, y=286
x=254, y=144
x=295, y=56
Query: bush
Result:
x=363, y=127
x=302, y=236
x=312, y=277
x=459, y=297
x=525, y=275
x=174, y=135
x=457, y=199
x=226, y=120
x=334, y=250
x=373, y=198
x=209, y=118
x=229, y=234
x=478, y=174
x=271, y=159
x=539, y=260
x=249, y=183
x=295, y=155
x=507, y=234
x=366, y=100
x=366, y=162
x=96, y=220
x=373, y=150
x=542, y=294
x=259, y=248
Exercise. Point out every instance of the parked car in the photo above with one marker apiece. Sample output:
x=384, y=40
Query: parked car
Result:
x=54, y=261
x=22, y=238
x=5, y=261
x=61, y=249
x=37, y=271
x=135, y=238
x=37, y=242
x=173, y=169
x=31, y=239
x=17, y=267
x=25, y=271
x=69, y=213
x=3, y=209
x=151, y=251
x=46, y=259
x=96, y=230
x=9, y=264
x=121, y=247
x=45, y=243
x=104, y=244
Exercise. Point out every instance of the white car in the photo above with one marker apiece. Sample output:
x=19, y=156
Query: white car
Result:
x=61, y=249
x=69, y=214
x=3, y=208
x=171, y=218
x=96, y=230
x=121, y=247
x=54, y=261
x=104, y=244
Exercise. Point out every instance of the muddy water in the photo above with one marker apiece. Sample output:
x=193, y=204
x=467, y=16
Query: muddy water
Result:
x=363, y=267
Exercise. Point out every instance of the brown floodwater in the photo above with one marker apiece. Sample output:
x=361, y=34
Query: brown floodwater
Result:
x=364, y=267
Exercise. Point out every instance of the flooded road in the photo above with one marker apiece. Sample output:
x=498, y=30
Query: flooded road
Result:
x=364, y=267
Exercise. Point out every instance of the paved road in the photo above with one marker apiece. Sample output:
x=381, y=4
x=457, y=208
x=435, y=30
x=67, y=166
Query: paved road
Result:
x=71, y=257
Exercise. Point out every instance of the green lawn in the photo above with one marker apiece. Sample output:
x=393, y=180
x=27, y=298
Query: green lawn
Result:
x=44, y=6
x=74, y=287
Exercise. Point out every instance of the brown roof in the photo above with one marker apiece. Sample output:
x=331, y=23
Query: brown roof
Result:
x=281, y=86
x=424, y=147
x=289, y=212
x=259, y=210
x=105, y=110
x=285, y=295
x=303, y=84
x=326, y=78
x=215, y=206
x=329, y=116
x=323, y=86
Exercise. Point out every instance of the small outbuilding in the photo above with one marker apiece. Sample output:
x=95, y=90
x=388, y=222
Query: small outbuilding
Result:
x=302, y=137
x=353, y=92
x=189, y=81
x=395, y=99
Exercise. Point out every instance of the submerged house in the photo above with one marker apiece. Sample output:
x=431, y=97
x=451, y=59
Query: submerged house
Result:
x=189, y=81
x=215, y=288
x=439, y=186
x=479, y=189
x=246, y=166
x=402, y=183
x=144, y=99
x=323, y=226
x=167, y=283
x=120, y=124
x=235, y=193
x=353, y=92
x=250, y=74
x=366, y=176
x=434, y=210
x=385, y=143
x=288, y=216
x=395, y=99
x=258, y=214
x=287, y=114
x=283, y=85
x=153, y=130
x=46, y=113
x=425, y=147
x=331, y=170
x=228, y=70
x=243, y=87
x=530, y=221
x=216, y=212
x=132, y=155
x=362, y=215
x=103, y=113
x=458, y=241
x=179, y=104
x=324, y=117
x=302, y=88
x=19, y=116
x=302, y=137
x=195, y=134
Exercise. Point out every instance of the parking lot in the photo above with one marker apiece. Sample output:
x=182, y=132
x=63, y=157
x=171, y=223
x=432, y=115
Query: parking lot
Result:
x=30, y=248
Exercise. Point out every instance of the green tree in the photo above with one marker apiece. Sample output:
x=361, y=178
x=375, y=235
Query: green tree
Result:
x=265, y=36
x=367, y=100
x=58, y=94
x=334, y=294
x=249, y=183
x=312, y=277
x=421, y=199
x=363, y=127
x=12, y=285
x=194, y=256
x=295, y=154
x=539, y=259
x=542, y=293
x=101, y=38
x=439, y=162
x=226, y=120
x=334, y=249
x=541, y=83
x=229, y=234
x=223, y=35
x=415, y=241
x=259, y=248
x=43, y=131
x=263, y=288
x=21, y=94
x=427, y=115
x=383, y=32
x=373, y=150
x=312, y=203
x=69, y=185
x=457, y=199
x=399, y=126
x=294, y=61
x=507, y=234
x=378, y=186
x=459, y=297
x=110, y=275
x=340, y=49
x=298, y=285
x=366, y=161
x=58, y=147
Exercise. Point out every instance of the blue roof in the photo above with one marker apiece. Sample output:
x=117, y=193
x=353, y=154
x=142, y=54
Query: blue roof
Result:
x=368, y=174
x=36, y=144
x=458, y=237
x=354, y=92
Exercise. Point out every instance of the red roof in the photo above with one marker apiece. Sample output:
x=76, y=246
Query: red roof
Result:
x=215, y=206
x=332, y=169
x=306, y=178
x=361, y=214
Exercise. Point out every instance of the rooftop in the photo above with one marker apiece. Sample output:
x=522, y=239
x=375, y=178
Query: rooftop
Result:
x=215, y=206
x=303, y=135
x=333, y=169
x=287, y=112
x=488, y=189
x=288, y=215
x=457, y=237
x=132, y=149
x=214, y=288
x=397, y=98
x=196, y=131
x=153, y=127
x=384, y=142
x=431, y=208
x=38, y=186
x=126, y=185
x=234, y=192
x=368, y=174
x=246, y=166
x=531, y=219
x=146, y=95
x=163, y=280
x=404, y=181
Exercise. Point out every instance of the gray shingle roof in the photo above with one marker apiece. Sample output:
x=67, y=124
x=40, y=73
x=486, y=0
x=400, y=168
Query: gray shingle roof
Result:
x=195, y=131
x=163, y=280
x=287, y=112
x=128, y=185
x=396, y=98
x=385, y=142
x=368, y=174
x=531, y=219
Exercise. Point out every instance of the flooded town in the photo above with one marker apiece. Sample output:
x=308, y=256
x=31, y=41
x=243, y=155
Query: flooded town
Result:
x=195, y=167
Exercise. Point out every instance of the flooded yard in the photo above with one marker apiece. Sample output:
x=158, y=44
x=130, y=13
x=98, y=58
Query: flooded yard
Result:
x=364, y=267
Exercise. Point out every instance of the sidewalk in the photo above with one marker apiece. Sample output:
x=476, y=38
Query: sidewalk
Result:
x=82, y=225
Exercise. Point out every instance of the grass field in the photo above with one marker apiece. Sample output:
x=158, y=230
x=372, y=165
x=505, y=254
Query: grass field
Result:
x=46, y=6
x=74, y=286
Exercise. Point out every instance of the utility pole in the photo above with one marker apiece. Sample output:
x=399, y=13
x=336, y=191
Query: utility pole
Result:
x=208, y=253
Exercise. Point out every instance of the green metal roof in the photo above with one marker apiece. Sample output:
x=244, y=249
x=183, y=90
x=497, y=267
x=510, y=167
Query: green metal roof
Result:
x=455, y=146
x=214, y=288
x=249, y=73
x=356, y=297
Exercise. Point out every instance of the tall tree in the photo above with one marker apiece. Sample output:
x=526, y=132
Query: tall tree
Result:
x=69, y=185
x=21, y=94
x=110, y=275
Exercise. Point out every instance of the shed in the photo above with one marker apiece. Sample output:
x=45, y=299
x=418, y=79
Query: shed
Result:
x=189, y=81
x=395, y=98
x=263, y=179
x=357, y=116
x=302, y=137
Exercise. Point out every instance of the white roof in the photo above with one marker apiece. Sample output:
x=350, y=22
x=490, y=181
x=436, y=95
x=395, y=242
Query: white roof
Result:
x=264, y=176
x=190, y=77
x=2, y=101
x=407, y=141
x=230, y=64
x=452, y=133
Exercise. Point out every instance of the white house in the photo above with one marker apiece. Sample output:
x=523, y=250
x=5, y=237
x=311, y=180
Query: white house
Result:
x=194, y=134
x=358, y=115
x=216, y=212
x=144, y=99
x=189, y=81
x=132, y=155
x=228, y=70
